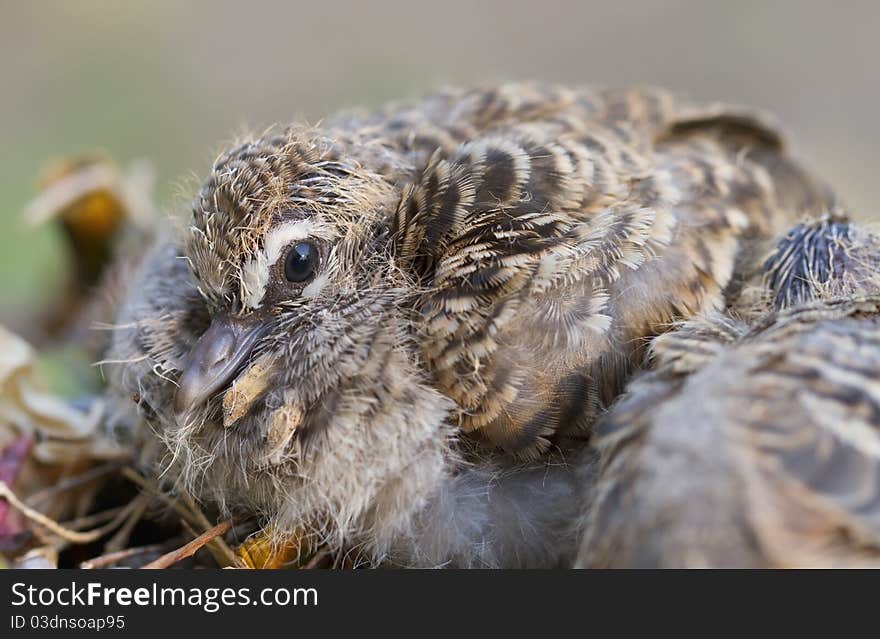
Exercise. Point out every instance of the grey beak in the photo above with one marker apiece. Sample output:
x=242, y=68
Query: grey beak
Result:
x=217, y=357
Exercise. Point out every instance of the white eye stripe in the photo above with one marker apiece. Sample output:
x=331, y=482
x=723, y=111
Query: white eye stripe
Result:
x=314, y=288
x=254, y=277
x=255, y=273
x=281, y=237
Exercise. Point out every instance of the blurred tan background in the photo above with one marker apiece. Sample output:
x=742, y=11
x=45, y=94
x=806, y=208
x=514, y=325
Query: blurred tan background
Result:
x=170, y=81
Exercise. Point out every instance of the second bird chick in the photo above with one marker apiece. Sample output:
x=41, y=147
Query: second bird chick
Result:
x=756, y=441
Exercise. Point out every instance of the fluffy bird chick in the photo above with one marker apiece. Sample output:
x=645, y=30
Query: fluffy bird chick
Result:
x=396, y=330
x=756, y=445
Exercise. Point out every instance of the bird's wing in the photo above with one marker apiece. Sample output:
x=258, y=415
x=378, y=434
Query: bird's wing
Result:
x=812, y=436
x=768, y=455
x=755, y=445
x=564, y=232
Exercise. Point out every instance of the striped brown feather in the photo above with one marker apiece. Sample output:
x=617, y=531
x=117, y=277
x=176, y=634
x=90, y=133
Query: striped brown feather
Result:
x=754, y=447
x=572, y=228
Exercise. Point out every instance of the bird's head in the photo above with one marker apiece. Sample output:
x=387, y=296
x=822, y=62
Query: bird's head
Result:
x=270, y=344
x=289, y=248
x=274, y=354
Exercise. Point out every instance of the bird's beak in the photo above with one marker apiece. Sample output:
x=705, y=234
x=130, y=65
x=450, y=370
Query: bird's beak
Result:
x=217, y=357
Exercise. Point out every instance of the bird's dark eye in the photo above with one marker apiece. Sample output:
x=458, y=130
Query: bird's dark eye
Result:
x=301, y=261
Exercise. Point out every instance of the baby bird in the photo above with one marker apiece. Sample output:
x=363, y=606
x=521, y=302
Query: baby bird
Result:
x=397, y=330
x=756, y=444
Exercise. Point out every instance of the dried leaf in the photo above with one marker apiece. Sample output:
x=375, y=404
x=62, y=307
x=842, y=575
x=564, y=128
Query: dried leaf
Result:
x=67, y=441
x=264, y=551
x=12, y=459
x=65, y=434
x=104, y=216
x=91, y=190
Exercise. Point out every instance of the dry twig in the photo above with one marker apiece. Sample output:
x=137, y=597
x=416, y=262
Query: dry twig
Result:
x=189, y=549
x=115, y=557
x=72, y=482
x=72, y=536
x=120, y=539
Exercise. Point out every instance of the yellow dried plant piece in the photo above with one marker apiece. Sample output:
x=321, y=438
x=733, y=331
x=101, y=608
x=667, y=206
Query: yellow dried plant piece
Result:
x=92, y=194
x=264, y=551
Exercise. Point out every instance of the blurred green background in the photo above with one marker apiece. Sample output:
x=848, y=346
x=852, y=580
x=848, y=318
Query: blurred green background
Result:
x=171, y=81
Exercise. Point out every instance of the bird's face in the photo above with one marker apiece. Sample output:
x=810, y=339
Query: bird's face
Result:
x=275, y=360
x=291, y=261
